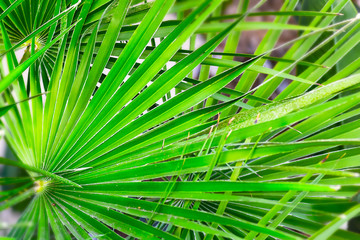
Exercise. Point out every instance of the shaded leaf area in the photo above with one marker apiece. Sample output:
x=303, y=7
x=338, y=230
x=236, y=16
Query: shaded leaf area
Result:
x=139, y=137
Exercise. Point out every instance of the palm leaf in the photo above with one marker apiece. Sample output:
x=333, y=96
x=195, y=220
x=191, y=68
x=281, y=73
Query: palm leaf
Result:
x=129, y=143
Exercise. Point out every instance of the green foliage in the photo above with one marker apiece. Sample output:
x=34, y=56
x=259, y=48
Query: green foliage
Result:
x=118, y=144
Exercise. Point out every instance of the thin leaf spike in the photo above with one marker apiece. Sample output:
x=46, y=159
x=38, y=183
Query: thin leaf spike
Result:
x=284, y=107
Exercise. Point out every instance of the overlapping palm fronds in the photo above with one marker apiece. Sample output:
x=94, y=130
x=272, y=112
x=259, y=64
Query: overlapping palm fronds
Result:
x=121, y=140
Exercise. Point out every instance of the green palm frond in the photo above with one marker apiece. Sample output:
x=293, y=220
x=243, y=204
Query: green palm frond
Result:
x=126, y=133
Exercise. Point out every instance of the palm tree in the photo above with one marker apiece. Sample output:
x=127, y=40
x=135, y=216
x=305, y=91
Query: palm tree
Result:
x=102, y=106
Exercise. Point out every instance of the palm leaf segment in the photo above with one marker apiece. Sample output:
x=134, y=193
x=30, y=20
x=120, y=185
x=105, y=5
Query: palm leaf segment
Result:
x=112, y=151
